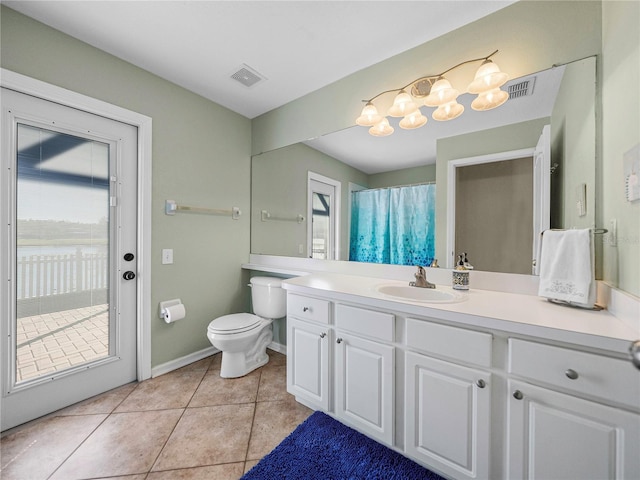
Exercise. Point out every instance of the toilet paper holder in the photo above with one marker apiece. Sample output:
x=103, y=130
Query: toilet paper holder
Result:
x=166, y=304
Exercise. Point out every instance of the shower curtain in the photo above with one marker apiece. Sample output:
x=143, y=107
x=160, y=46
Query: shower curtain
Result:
x=393, y=225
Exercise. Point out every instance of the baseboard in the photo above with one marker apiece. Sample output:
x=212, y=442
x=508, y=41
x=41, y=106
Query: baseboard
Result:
x=199, y=355
x=277, y=347
x=182, y=361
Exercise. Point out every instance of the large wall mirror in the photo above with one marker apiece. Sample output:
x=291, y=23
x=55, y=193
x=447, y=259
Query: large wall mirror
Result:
x=563, y=97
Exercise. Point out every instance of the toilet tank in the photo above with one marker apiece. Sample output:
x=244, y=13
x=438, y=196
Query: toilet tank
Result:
x=268, y=297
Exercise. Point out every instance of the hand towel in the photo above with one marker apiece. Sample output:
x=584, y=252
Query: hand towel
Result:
x=566, y=268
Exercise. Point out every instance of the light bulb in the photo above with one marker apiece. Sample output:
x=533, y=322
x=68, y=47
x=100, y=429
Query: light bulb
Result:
x=448, y=111
x=381, y=129
x=413, y=120
x=442, y=92
x=487, y=78
x=403, y=105
x=369, y=116
x=488, y=100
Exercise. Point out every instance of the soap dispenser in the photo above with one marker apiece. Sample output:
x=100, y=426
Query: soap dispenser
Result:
x=461, y=275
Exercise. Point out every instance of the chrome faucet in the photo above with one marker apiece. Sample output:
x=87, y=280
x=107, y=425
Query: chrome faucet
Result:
x=421, y=279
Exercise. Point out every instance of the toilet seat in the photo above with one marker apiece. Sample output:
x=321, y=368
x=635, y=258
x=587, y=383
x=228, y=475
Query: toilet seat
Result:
x=234, y=323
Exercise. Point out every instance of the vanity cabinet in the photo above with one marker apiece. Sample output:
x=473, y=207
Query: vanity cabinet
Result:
x=342, y=368
x=364, y=371
x=461, y=394
x=308, y=362
x=448, y=406
x=576, y=433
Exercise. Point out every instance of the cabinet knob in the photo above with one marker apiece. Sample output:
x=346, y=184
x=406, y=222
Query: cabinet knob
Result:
x=323, y=334
x=518, y=395
x=339, y=340
x=481, y=383
x=571, y=374
x=305, y=309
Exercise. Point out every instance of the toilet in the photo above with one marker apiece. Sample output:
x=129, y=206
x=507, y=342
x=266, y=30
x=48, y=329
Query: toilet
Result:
x=243, y=337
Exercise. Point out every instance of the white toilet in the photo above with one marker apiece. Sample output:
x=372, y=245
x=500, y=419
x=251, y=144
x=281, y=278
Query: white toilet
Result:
x=243, y=337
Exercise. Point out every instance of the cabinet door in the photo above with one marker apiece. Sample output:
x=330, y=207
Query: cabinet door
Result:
x=447, y=416
x=364, y=386
x=558, y=436
x=308, y=362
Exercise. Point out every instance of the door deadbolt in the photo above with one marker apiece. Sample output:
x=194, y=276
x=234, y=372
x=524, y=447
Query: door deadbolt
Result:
x=129, y=256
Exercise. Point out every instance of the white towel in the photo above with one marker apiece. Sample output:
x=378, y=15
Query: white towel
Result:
x=566, y=267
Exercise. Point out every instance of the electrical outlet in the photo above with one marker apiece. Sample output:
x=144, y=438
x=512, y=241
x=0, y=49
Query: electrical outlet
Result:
x=167, y=256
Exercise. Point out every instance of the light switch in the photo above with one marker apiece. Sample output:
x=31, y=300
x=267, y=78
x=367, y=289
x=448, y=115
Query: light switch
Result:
x=167, y=256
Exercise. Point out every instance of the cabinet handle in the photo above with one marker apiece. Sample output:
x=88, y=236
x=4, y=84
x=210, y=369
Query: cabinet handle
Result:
x=481, y=383
x=571, y=374
x=518, y=395
x=305, y=309
x=322, y=335
x=339, y=340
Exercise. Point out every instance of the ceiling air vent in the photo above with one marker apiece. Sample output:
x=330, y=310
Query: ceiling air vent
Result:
x=247, y=76
x=522, y=89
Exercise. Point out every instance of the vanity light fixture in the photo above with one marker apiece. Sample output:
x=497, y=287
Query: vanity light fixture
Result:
x=437, y=92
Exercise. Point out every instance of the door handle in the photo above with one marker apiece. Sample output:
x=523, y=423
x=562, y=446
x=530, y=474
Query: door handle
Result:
x=129, y=275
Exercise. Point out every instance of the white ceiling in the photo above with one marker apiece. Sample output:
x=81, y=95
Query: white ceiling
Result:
x=299, y=46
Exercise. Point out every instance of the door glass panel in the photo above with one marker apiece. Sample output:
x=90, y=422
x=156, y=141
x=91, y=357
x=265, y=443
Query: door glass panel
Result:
x=62, y=264
x=321, y=232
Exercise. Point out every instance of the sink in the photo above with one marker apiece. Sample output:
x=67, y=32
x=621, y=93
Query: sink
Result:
x=417, y=294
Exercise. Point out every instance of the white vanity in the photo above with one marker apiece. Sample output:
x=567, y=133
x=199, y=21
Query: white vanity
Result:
x=497, y=385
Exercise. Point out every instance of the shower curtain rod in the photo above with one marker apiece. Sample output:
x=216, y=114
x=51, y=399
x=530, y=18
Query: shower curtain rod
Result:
x=396, y=186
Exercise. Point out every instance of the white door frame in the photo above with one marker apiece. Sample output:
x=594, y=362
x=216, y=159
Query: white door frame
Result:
x=335, y=219
x=451, y=189
x=30, y=86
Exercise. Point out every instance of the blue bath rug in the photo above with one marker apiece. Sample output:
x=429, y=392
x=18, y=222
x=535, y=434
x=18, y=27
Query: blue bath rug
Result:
x=324, y=449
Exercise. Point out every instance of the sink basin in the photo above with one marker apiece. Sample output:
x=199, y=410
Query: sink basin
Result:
x=417, y=294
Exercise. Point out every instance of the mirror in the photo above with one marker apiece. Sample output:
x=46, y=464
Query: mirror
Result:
x=563, y=97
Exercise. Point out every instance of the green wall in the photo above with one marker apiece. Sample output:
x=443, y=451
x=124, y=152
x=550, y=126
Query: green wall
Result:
x=279, y=185
x=201, y=156
x=620, y=133
x=406, y=176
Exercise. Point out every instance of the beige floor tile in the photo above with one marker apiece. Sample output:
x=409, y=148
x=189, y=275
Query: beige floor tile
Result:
x=276, y=359
x=273, y=384
x=249, y=464
x=34, y=451
x=215, y=390
x=216, y=361
x=126, y=443
x=228, y=471
x=272, y=423
x=104, y=403
x=141, y=476
x=172, y=390
x=203, y=364
x=208, y=436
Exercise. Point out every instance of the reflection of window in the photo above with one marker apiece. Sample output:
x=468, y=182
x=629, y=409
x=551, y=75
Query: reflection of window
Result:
x=393, y=225
x=321, y=228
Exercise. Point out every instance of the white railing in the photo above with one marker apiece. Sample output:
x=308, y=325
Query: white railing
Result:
x=47, y=275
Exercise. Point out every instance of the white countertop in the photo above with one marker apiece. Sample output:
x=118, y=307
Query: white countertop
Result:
x=508, y=312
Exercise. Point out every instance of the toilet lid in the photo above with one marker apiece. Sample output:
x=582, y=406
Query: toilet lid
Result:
x=234, y=323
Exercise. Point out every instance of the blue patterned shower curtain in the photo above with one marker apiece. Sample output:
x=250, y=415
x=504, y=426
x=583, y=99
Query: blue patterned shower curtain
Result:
x=393, y=225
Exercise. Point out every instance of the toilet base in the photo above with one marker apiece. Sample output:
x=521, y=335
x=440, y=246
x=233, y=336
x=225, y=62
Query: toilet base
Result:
x=239, y=364
x=234, y=364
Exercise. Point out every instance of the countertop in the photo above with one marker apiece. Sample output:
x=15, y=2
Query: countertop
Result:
x=508, y=312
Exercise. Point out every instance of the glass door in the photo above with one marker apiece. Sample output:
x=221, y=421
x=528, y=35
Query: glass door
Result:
x=71, y=311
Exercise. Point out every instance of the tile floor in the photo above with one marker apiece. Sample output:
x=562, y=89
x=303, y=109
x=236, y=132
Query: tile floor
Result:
x=187, y=424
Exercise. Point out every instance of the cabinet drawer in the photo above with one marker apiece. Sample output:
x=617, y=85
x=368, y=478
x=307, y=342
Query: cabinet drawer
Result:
x=308, y=308
x=452, y=342
x=581, y=372
x=366, y=322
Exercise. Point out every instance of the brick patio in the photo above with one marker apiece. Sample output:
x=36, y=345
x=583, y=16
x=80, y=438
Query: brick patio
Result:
x=55, y=341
